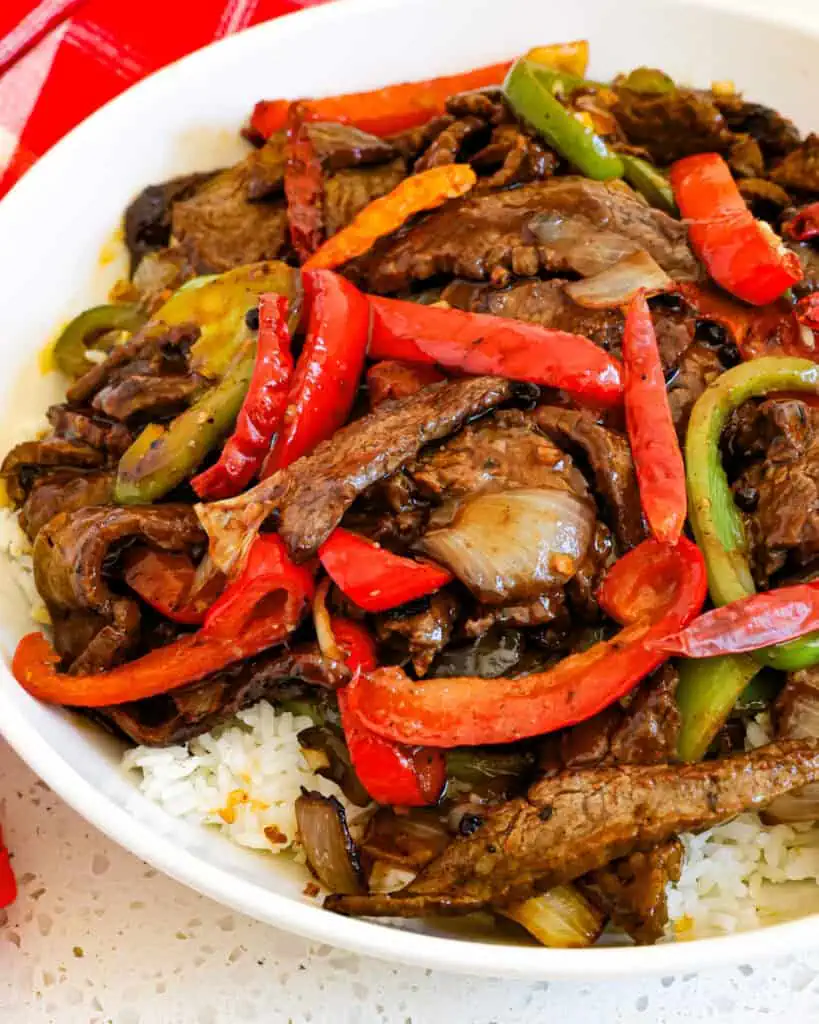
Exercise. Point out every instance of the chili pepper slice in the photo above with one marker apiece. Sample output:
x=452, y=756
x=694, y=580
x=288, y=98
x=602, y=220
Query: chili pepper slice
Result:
x=739, y=252
x=270, y=584
x=8, y=883
x=382, y=111
x=303, y=186
x=749, y=624
x=325, y=381
x=803, y=225
x=419, y=192
x=164, y=580
x=391, y=773
x=376, y=579
x=655, y=589
x=529, y=90
x=714, y=517
x=658, y=460
x=478, y=343
x=262, y=409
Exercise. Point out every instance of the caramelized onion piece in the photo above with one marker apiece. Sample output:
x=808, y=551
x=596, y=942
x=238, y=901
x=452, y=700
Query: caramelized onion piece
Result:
x=331, y=853
x=560, y=918
x=617, y=285
x=514, y=544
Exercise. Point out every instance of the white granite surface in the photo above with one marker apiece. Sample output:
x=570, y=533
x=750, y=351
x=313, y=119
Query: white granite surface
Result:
x=97, y=936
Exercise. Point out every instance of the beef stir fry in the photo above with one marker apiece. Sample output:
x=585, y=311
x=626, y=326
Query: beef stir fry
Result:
x=477, y=418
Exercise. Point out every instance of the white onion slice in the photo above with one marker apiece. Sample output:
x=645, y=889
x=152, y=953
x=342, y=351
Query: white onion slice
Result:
x=514, y=544
x=617, y=285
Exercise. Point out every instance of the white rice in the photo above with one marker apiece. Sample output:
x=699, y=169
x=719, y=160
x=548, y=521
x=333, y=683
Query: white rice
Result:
x=244, y=777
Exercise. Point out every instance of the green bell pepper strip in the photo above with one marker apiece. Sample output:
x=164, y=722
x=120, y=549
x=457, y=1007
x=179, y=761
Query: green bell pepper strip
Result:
x=648, y=82
x=79, y=336
x=649, y=182
x=529, y=89
x=717, y=524
x=706, y=694
x=161, y=458
x=218, y=306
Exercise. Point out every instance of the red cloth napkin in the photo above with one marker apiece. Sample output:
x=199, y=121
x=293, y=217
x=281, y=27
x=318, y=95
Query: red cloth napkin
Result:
x=65, y=58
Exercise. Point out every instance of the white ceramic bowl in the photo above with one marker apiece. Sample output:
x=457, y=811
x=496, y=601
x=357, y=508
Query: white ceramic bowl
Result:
x=56, y=222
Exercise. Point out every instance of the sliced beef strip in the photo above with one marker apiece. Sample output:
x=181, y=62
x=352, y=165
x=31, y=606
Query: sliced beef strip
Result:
x=631, y=891
x=425, y=632
x=64, y=491
x=177, y=717
x=148, y=395
x=264, y=169
x=502, y=452
x=219, y=227
x=413, y=141
x=799, y=170
x=446, y=148
x=548, y=608
x=795, y=717
x=154, y=351
x=488, y=104
x=672, y=125
x=31, y=459
x=775, y=134
x=482, y=234
x=698, y=367
x=71, y=553
x=547, y=303
x=780, y=493
x=347, y=192
x=100, y=432
x=390, y=513
x=517, y=156
x=578, y=820
x=312, y=495
x=148, y=217
x=609, y=457
x=343, y=145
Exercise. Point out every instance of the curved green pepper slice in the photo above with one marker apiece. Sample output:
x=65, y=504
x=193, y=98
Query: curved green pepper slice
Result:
x=706, y=694
x=70, y=349
x=649, y=182
x=718, y=526
x=529, y=88
x=218, y=306
x=161, y=458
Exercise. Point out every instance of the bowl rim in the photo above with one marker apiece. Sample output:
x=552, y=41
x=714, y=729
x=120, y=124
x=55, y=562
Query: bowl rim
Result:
x=452, y=954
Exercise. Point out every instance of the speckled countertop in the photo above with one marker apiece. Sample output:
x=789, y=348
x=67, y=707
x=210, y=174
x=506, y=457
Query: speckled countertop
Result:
x=97, y=936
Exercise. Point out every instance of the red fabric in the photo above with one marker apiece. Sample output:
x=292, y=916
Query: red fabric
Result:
x=62, y=59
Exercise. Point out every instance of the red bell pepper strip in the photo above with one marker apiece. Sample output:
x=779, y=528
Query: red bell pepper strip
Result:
x=803, y=225
x=383, y=111
x=479, y=343
x=391, y=379
x=655, y=589
x=419, y=192
x=324, y=385
x=391, y=773
x=749, y=624
x=260, y=609
x=262, y=410
x=269, y=583
x=376, y=579
x=658, y=460
x=164, y=580
x=303, y=185
x=739, y=252
x=8, y=883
